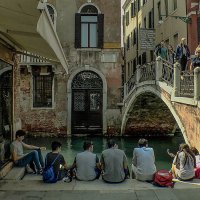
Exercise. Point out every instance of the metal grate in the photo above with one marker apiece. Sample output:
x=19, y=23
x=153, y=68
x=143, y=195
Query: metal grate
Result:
x=187, y=84
x=148, y=72
x=42, y=92
x=6, y=103
x=79, y=101
x=87, y=80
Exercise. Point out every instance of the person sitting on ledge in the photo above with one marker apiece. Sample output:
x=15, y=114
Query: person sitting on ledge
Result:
x=143, y=167
x=114, y=164
x=184, y=163
x=60, y=167
x=24, y=160
x=87, y=164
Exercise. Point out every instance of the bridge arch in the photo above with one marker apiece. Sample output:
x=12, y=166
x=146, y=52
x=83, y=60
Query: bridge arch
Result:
x=151, y=89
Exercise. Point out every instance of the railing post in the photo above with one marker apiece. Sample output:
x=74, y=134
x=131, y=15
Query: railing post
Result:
x=159, y=66
x=177, y=79
x=197, y=83
x=138, y=74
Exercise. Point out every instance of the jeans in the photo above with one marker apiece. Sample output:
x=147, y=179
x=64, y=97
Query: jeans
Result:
x=34, y=156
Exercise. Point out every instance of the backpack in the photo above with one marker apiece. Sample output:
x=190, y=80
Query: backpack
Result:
x=49, y=175
x=163, y=178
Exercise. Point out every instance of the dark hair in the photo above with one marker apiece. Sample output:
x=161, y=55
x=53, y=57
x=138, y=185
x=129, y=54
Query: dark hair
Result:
x=186, y=149
x=142, y=142
x=20, y=133
x=87, y=144
x=111, y=143
x=55, y=145
x=195, y=151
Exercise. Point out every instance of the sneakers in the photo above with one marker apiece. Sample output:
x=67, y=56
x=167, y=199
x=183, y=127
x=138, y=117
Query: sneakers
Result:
x=67, y=179
x=40, y=172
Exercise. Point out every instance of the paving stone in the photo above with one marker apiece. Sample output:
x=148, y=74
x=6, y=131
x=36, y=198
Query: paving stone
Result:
x=166, y=194
x=146, y=195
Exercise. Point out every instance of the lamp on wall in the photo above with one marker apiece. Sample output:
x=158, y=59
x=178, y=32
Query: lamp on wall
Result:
x=187, y=20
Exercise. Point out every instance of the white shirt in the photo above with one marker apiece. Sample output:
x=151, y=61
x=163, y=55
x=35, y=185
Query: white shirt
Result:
x=144, y=162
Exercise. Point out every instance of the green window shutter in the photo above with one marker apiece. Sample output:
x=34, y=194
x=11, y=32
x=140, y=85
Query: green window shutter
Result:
x=100, y=30
x=77, y=30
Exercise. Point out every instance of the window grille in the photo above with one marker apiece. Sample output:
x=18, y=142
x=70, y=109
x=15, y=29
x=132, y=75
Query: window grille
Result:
x=42, y=89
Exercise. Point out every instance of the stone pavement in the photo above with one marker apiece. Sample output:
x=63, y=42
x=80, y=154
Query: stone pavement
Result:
x=32, y=188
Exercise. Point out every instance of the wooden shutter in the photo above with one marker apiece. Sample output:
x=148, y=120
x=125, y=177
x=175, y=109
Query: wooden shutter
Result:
x=77, y=30
x=100, y=30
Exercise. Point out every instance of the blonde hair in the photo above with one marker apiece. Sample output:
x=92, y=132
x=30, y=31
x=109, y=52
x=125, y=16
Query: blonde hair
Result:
x=197, y=49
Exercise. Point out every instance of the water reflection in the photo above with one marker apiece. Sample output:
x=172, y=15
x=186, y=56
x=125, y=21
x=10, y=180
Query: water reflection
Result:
x=71, y=146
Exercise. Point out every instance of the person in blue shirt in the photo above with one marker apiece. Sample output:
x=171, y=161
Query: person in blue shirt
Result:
x=182, y=54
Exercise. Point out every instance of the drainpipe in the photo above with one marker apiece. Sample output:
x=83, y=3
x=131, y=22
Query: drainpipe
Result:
x=177, y=79
x=197, y=83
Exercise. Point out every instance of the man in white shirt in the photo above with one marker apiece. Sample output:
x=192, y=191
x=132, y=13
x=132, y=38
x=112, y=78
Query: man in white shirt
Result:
x=22, y=160
x=143, y=167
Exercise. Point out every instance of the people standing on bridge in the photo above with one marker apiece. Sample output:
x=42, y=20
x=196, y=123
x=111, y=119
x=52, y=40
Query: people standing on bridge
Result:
x=114, y=164
x=162, y=51
x=87, y=163
x=143, y=167
x=184, y=163
x=196, y=61
x=182, y=54
x=171, y=54
x=24, y=160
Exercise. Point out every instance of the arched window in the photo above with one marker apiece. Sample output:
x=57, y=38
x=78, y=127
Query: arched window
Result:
x=52, y=13
x=89, y=27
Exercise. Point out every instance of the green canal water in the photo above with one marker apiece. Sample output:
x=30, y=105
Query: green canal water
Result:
x=72, y=146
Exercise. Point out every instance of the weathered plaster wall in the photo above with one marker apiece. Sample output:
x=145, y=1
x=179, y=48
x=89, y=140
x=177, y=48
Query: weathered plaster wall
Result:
x=54, y=120
x=190, y=116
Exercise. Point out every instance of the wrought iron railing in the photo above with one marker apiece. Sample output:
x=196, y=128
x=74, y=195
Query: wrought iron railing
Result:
x=147, y=72
x=131, y=82
x=187, y=84
x=168, y=73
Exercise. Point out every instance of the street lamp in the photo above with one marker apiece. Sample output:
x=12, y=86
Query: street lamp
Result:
x=187, y=20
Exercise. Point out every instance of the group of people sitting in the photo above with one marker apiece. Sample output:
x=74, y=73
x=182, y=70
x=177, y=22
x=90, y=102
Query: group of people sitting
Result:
x=112, y=165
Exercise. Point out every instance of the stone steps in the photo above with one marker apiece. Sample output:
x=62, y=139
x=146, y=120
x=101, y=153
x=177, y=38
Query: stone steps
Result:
x=6, y=169
x=16, y=173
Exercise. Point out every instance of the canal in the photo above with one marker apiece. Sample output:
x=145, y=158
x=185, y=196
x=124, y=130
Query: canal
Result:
x=72, y=146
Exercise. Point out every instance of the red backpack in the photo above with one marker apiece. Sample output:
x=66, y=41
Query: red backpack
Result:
x=163, y=178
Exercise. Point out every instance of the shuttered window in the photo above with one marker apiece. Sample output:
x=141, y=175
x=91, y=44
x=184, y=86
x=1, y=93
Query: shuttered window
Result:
x=89, y=29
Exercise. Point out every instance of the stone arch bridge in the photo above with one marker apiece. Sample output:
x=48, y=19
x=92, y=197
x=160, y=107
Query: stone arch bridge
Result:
x=178, y=91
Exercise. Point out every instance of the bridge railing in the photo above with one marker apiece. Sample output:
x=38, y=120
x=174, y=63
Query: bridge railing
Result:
x=168, y=73
x=147, y=72
x=185, y=84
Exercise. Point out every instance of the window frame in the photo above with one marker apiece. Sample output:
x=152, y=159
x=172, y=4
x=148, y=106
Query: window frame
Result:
x=43, y=86
x=54, y=19
x=99, y=32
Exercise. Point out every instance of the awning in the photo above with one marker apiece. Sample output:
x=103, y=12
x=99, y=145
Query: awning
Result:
x=27, y=24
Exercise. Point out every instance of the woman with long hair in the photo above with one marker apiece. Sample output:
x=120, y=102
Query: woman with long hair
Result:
x=184, y=163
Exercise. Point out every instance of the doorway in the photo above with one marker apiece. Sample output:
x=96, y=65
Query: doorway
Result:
x=87, y=102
